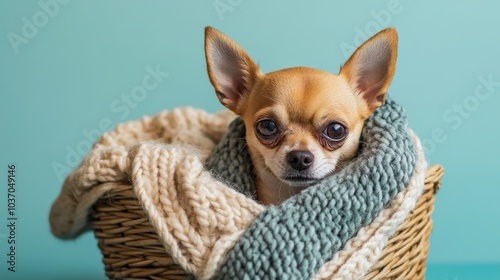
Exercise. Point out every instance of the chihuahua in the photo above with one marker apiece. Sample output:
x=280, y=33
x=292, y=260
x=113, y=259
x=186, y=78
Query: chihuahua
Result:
x=302, y=124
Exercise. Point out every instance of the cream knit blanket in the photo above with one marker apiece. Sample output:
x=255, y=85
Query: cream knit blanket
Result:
x=198, y=218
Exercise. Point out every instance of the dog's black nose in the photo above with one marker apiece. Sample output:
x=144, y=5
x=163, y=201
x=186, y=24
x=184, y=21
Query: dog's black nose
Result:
x=300, y=160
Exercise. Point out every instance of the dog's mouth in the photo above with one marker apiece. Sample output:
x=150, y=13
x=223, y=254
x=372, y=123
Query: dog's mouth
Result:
x=300, y=181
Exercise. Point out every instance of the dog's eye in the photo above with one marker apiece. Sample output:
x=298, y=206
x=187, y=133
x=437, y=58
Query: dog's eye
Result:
x=266, y=128
x=335, y=132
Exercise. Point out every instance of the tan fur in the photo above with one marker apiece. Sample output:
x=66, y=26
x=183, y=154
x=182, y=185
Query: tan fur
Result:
x=302, y=101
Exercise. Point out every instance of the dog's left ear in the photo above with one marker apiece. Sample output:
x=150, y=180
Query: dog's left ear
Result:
x=369, y=71
x=231, y=70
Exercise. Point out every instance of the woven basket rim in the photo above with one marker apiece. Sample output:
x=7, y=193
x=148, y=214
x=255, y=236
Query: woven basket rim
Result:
x=131, y=249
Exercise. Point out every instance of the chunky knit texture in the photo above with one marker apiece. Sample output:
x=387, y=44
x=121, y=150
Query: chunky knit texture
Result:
x=293, y=240
x=207, y=222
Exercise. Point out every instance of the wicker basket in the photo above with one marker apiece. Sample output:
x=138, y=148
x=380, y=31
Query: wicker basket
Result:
x=131, y=249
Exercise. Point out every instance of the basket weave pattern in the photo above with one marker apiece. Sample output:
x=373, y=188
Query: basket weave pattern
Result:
x=131, y=249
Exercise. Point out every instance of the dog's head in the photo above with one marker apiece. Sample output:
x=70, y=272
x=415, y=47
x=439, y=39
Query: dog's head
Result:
x=301, y=123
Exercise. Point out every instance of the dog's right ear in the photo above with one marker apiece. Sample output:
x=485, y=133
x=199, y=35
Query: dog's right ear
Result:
x=371, y=68
x=231, y=70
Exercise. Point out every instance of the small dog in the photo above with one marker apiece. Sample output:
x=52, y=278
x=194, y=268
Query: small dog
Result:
x=302, y=124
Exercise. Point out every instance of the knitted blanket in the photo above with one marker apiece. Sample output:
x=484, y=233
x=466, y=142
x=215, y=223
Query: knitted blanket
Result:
x=205, y=216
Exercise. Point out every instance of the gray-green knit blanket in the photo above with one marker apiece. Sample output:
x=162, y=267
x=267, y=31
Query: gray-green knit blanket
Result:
x=293, y=240
x=193, y=178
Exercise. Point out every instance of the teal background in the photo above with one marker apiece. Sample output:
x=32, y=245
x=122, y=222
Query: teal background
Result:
x=64, y=81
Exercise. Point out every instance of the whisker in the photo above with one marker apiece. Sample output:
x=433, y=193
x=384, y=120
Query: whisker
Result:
x=243, y=148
